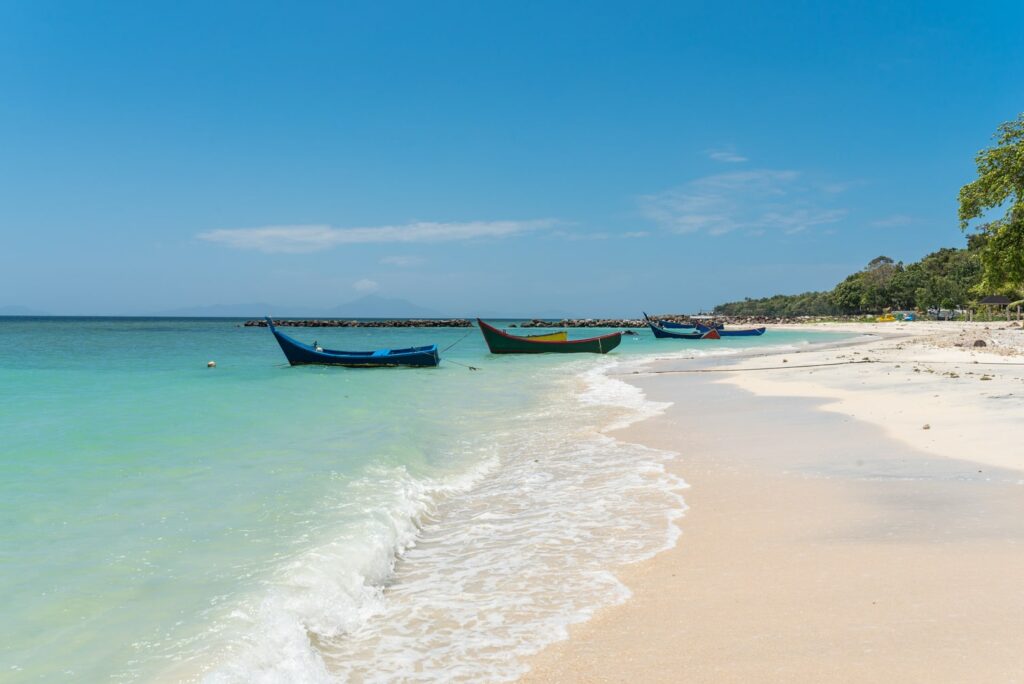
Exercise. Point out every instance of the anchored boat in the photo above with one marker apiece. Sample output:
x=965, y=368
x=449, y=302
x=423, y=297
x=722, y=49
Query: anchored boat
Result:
x=663, y=334
x=684, y=326
x=749, y=332
x=500, y=342
x=299, y=354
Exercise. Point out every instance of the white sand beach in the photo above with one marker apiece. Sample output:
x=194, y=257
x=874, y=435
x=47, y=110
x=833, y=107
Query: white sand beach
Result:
x=853, y=522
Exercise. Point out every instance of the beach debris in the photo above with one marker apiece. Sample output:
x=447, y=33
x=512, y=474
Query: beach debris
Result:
x=211, y=364
x=985, y=377
x=980, y=343
x=926, y=426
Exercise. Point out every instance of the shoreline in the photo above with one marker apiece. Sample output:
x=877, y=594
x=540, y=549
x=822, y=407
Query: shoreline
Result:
x=824, y=539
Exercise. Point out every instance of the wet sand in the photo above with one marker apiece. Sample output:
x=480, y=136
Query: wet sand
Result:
x=816, y=548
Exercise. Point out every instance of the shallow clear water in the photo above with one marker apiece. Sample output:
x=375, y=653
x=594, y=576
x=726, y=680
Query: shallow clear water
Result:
x=257, y=522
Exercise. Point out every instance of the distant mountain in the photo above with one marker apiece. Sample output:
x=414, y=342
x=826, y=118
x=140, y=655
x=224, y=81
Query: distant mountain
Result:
x=375, y=306
x=20, y=311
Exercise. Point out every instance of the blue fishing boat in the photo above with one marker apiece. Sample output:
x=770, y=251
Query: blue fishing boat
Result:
x=663, y=334
x=683, y=326
x=667, y=324
x=748, y=332
x=299, y=354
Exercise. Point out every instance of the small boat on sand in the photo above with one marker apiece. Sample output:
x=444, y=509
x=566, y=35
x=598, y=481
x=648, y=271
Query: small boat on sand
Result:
x=500, y=342
x=299, y=354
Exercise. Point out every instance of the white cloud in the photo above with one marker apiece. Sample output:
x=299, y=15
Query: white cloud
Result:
x=577, y=236
x=313, y=238
x=894, y=221
x=402, y=260
x=750, y=200
x=366, y=285
x=727, y=156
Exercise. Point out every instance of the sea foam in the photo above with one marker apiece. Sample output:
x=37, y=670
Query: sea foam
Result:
x=461, y=578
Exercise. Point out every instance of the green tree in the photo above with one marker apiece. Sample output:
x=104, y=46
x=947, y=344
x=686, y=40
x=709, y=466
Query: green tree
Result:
x=848, y=295
x=904, y=286
x=875, y=281
x=1000, y=183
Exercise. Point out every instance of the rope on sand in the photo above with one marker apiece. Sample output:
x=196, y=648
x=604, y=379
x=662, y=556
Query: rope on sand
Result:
x=822, y=365
x=740, y=370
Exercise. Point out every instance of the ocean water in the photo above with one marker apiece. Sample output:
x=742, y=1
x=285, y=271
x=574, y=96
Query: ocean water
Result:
x=161, y=521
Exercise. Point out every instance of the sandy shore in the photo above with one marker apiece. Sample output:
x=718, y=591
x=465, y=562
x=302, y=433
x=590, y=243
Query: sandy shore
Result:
x=830, y=537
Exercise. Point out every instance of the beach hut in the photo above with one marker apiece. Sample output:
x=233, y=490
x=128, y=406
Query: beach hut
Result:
x=996, y=300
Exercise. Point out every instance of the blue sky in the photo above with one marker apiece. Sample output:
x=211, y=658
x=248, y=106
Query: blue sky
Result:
x=532, y=157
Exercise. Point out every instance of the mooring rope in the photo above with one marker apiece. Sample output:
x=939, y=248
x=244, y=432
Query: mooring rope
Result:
x=456, y=341
x=472, y=368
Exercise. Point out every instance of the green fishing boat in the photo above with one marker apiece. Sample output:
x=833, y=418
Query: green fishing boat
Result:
x=500, y=342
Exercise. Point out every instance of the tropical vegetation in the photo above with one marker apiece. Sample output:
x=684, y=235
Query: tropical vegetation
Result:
x=1000, y=183
x=992, y=262
x=946, y=279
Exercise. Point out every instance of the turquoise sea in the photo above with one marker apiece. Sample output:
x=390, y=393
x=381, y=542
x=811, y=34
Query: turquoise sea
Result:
x=160, y=520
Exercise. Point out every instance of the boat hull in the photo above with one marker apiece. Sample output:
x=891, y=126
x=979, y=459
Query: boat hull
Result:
x=749, y=332
x=500, y=342
x=663, y=334
x=299, y=354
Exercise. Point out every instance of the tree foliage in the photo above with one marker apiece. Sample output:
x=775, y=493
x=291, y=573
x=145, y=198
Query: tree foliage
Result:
x=1000, y=183
x=945, y=279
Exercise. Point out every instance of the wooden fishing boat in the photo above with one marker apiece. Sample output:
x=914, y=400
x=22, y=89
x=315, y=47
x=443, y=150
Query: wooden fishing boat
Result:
x=500, y=342
x=748, y=332
x=663, y=334
x=299, y=354
x=683, y=326
x=667, y=324
x=560, y=336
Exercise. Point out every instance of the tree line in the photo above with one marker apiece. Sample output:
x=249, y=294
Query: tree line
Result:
x=946, y=279
x=992, y=262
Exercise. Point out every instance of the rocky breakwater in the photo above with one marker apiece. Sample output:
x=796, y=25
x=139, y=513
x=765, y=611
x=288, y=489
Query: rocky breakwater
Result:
x=585, y=323
x=704, y=319
x=352, y=323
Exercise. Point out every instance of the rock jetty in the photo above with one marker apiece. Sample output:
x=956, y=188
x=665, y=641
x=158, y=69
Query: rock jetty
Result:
x=623, y=323
x=390, y=323
x=585, y=323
